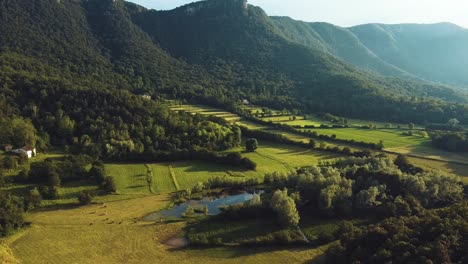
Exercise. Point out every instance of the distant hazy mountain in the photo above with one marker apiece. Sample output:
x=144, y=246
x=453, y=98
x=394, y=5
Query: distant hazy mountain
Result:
x=435, y=52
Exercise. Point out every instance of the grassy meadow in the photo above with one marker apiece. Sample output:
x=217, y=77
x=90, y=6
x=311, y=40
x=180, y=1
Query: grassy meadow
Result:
x=391, y=137
x=204, y=110
x=111, y=233
x=270, y=157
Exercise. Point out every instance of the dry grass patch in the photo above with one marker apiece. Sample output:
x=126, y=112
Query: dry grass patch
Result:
x=110, y=233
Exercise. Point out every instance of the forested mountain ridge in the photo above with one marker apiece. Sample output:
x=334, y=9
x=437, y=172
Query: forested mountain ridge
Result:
x=338, y=41
x=66, y=80
x=433, y=52
x=210, y=51
x=242, y=45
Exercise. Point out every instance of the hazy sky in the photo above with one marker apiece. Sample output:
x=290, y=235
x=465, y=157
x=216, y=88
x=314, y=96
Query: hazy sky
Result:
x=353, y=12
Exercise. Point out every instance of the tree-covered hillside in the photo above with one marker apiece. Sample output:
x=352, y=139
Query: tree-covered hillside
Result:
x=433, y=52
x=214, y=51
x=244, y=47
x=338, y=41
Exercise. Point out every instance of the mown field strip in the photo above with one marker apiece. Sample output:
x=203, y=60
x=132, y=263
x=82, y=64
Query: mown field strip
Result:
x=286, y=165
x=129, y=178
x=173, y=177
x=391, y=138
x=162, y=179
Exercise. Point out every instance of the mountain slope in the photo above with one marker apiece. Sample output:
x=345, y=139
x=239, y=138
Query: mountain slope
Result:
x=242, y=45
x=215, y=51
x=338, y=41
x=435, y=52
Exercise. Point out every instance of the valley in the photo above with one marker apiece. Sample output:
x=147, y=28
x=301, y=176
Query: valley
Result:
x=275, y=140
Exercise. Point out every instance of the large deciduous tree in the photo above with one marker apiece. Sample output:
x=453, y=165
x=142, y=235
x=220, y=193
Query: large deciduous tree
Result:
x=251, y=144
x=285, y=207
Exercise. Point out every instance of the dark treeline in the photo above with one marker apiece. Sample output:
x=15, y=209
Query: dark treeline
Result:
x=451, y=141
x=314, y=134
x=444, y=127
x=278, y=138
x=231, y=159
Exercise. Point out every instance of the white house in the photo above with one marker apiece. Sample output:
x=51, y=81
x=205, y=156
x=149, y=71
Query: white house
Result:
x=245, y=102
x=26, y=150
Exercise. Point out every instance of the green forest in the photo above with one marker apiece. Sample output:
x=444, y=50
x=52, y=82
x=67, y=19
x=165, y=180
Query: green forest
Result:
x=113, y=116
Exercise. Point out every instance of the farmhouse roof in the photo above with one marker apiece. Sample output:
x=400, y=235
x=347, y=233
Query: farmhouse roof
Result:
x=27, y=148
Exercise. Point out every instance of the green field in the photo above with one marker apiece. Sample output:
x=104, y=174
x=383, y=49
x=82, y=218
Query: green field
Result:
x=391, y=137
x=112, y=233
x=131, y=178
x=270, y=157
x=204, y=110
x=278, y=157
x=250, y=125
x=302, y=123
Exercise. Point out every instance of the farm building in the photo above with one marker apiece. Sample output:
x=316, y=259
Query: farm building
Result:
x=146, y=97
x=26, y=150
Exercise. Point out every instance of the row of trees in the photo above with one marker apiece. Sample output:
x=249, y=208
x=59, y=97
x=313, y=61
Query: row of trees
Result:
x=278, y=138
x=315, y=134
x=451, y=141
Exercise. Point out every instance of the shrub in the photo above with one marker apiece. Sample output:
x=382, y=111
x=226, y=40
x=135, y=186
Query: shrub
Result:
x=97, y=173
x=34, y=199
x=11, y=214
x=85, y=197
x=108, y=185
x=49, y=193
x=251, y=144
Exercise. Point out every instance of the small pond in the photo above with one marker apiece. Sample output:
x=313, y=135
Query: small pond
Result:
x=213, y=203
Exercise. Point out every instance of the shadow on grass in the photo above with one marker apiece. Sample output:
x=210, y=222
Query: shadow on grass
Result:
x=55, y=207
x=209, y=167
x=136, y=186
x=233, y=252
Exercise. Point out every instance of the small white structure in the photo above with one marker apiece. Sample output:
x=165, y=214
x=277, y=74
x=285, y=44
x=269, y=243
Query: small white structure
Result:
x=146, y=97
x=26, y=150
x=245, y=102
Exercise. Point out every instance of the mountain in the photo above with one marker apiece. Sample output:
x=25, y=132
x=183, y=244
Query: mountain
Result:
x=432, y=52
x=216, y=52
x=435, y=52
x=338, y=41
